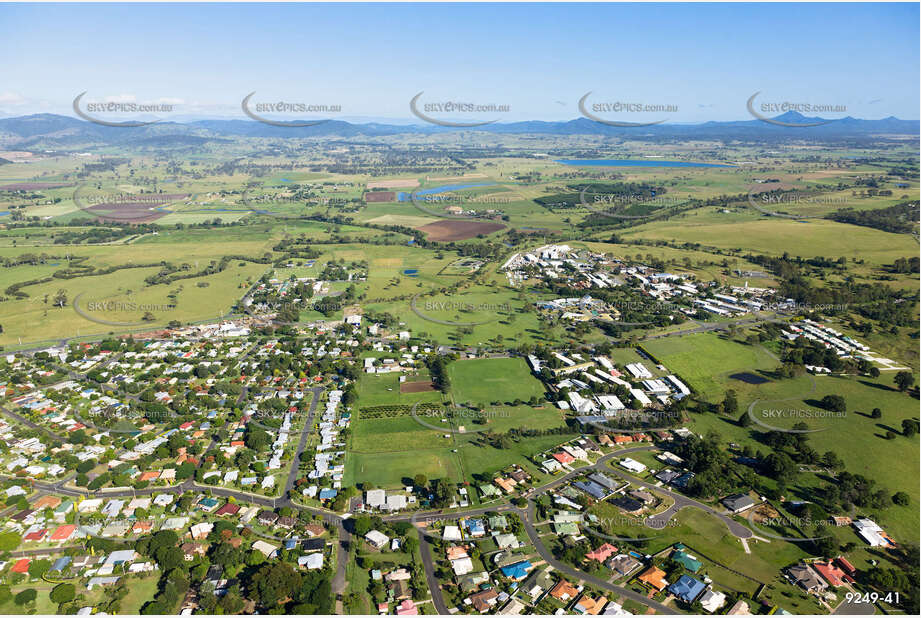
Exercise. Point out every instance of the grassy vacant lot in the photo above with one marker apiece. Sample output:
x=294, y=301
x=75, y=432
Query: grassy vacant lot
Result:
x=859, y=440
x=774, y=236
x=382, y=389
x=486, y=459
x=401, y=434
x=389, y=469
x=705, y=360
x=498, y=312
x=385, y=451
x=484, y=380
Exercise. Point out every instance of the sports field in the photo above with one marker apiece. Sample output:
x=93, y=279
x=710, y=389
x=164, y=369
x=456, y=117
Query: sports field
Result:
x=485, y=380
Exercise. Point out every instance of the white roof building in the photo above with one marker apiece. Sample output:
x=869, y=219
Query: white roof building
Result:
x=377, y=539
x=375, y=498
x=632, y=465
x=712, y=600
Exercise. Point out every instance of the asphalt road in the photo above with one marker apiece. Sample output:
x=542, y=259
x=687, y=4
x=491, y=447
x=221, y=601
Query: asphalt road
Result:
x=305, y=433
x=425, y=549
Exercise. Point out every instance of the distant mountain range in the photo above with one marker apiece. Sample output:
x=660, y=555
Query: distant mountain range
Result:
x=52, y=130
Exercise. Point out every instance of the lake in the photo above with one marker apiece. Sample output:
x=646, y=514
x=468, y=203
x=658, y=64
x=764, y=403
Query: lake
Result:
x=635, y=163
x=405, y=197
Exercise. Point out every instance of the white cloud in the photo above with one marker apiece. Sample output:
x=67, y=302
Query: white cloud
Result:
x=11, y=98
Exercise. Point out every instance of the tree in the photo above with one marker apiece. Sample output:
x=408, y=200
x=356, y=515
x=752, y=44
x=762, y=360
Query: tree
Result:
x=901, y=498
x=835, y=403
x=9, y=541
x=37, y=568
x=275, y=582
x=909, y=427
x=825, y=546
x=730, y=404
x=745, y=420
x=26, y=596
x=63, y=593
x=904, y=380
x=169, y=558
x=362, y=525
x=420, y=481
x=779, y=465
x=876, y=413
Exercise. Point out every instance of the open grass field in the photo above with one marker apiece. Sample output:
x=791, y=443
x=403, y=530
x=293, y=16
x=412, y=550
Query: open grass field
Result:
x=387, y=450
x=401, y=434
x=475, y=314
x=859, y=440
x=484, y=380
x=389, y=470
x=706, y=360
x=381, y=389
x=203, y=298
x=776, y=236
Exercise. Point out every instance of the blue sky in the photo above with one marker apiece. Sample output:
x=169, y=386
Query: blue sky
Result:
x=538, y=59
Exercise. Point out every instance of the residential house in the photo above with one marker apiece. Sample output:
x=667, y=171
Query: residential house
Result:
x=738, y=502
x=655, y=577
x=564, y=591
x=806, y=578
x=687, y=588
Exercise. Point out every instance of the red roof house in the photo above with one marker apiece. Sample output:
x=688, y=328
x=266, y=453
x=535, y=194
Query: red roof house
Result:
x=228, y=509
x=564, y=457
x=37, y=536
x=602, y=553
x=64, y=533
x=846, y=566
x=832, y=574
